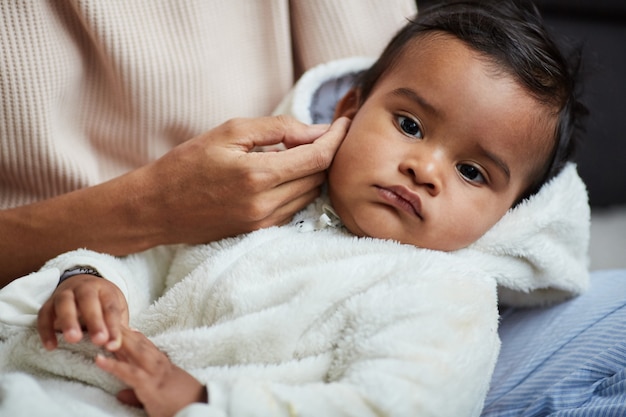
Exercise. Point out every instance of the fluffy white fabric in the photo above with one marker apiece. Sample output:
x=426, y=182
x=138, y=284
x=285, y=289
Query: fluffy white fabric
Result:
x=285, y=322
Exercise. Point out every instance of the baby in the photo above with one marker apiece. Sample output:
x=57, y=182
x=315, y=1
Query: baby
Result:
x=463, y=119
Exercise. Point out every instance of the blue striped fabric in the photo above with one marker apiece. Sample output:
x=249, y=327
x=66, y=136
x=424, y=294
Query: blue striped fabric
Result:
x=565, y=361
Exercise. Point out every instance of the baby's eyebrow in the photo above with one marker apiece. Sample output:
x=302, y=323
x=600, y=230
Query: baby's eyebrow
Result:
x=415, y=97
x=498, y=161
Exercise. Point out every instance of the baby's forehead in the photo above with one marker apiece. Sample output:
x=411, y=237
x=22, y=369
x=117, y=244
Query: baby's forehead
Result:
x=547, y=113
x=425, y=41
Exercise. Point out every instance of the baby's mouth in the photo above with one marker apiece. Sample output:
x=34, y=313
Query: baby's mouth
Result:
x=403, y=198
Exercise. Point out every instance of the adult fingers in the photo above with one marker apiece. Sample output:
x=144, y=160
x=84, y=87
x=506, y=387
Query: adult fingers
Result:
x=293, y=197
x=278, y=204
x=266, y=131
x=307, y=159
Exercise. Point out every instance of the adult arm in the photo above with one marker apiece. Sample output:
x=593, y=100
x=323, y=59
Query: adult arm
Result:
x=207, y=188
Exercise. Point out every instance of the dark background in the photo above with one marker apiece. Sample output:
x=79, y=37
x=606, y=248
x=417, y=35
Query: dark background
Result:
x=600, y=26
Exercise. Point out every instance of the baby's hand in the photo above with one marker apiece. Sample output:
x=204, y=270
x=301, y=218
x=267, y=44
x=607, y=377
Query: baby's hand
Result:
x=84, y=301
x=155, y=382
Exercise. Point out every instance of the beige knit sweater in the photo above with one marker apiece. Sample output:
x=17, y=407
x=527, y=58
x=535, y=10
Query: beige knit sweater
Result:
x=91, y=89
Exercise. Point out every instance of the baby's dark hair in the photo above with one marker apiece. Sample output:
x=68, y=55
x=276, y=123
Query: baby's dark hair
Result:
x=511, y=35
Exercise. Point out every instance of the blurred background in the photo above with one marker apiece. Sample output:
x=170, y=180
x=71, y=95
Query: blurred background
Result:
x=600, y=27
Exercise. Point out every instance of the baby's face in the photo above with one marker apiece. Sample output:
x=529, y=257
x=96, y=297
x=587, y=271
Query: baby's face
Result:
x=439, y=151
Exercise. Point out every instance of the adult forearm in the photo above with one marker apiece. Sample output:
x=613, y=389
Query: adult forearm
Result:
x=105, y=218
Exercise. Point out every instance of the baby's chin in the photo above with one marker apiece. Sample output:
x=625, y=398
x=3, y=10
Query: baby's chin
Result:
x=422, y=243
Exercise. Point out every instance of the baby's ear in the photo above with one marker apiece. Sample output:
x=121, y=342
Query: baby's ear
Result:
x=348, y=105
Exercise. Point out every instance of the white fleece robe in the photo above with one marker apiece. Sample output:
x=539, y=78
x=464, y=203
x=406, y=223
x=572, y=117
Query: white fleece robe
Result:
x=309, y=320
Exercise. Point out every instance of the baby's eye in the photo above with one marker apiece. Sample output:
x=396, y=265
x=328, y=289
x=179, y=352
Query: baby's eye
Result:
x=471, y=173
x=410, y=126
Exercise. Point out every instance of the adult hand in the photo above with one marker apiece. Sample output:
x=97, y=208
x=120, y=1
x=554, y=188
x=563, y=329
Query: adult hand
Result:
x=207, y=188
x=213, y=186
x=158, y=385
x=83, y=301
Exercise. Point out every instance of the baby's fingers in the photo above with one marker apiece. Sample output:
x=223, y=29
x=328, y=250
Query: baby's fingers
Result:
x=138, y=350
x=65, y=316
x=130, y=374
x=103, y=311
x=89, y=305
x=45, y=326
x=133, y=359
x=115, y=315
